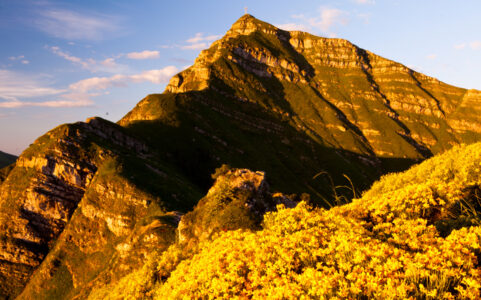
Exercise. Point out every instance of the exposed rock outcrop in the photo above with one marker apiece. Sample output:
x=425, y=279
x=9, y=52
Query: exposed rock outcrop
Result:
x=239, y=198
x=354, y=92
x=44, y=188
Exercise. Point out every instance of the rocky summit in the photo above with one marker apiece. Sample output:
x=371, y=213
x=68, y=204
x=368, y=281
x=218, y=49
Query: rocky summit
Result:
x=86, y=203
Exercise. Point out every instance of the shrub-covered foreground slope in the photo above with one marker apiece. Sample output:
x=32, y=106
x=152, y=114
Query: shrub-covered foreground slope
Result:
x=415, y=234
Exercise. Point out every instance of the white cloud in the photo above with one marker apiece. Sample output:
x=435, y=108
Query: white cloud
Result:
x=108, y=65
x=14, y=85
x=20, y=58
x=199, y=41
x=199, y=37
x=196, y=46
x=293, y=27
x=66, y=24
x=16, y=57
x=328, y=18
x=432, y=56
x=475, y=45
x=364, y=1
x=323, y=22
x=143, y=55
x=53, y=103
x=103, y=83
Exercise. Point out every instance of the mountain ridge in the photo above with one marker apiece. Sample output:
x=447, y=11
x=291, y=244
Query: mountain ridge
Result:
x=197, y=78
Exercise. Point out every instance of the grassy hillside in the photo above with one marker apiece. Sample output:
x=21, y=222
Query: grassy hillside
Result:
x=293, y=105
x=200, y=131
x=414, y=234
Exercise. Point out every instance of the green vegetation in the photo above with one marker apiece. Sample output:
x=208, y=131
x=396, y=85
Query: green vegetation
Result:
x=385, y=245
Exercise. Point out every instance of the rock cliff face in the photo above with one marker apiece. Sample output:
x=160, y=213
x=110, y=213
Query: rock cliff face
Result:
x=87, y=202
x=239, y=198
x=352, y=99
x=78, y=163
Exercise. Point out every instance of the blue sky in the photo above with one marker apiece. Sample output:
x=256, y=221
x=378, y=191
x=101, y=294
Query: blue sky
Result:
x=65, y=61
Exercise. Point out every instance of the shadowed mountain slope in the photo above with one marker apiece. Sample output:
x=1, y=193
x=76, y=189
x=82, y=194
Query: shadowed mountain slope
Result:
x=6, y=159
x=87, y=202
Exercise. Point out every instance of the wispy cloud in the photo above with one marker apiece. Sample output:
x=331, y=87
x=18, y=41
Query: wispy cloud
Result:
x=102, y=83
x=432, y=56
x=328, y=18
x=325, y=21
x=475, y=45
x=71, y=25
x=84, y=90
x=199, y=41
x=146, y=54
x=16, y=57
x=196, y=46
x=53, y=103
x=293, y=27
x=20, y=58
x=108, y=65
x=14, y=85
x=15, y=88
x=199, y=37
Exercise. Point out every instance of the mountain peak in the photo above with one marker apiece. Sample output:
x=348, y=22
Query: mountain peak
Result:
x=255, y=56
x=246, y=19
x=247, y=24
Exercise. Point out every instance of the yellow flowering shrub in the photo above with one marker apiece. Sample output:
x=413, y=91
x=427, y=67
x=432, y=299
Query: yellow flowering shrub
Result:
x=313, y=253
x=403, y=239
